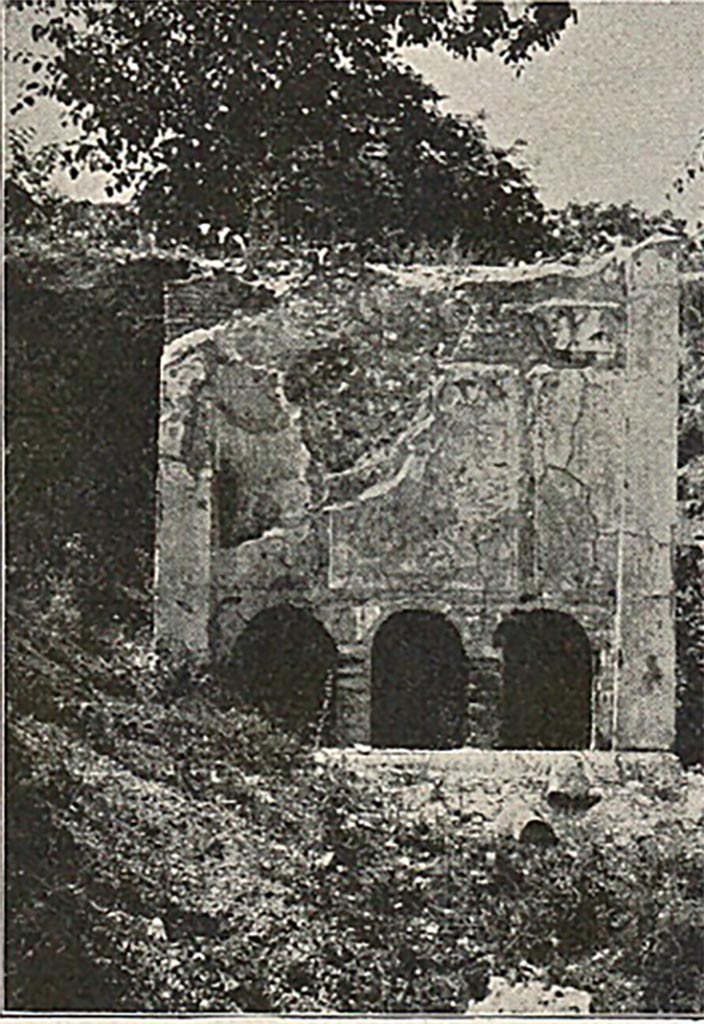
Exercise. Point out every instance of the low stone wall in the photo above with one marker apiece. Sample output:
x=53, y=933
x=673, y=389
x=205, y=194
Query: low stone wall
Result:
x=621, y=797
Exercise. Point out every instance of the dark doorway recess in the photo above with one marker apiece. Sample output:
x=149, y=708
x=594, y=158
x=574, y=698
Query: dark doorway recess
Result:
x=285, y=663
x=547, y=682
x=419, y=683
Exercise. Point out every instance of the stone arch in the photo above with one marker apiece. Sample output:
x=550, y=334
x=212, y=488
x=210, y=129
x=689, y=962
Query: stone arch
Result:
x=285, y=662
x=419, y=679
x=547, y=681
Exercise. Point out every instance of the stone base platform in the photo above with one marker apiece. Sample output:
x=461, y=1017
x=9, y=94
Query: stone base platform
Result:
x=656, y=769
x=618, y=795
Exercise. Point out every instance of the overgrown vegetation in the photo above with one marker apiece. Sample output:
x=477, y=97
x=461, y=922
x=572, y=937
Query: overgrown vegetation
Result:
x=84, y=333
x=316, y=106
x=166, y=854
x=169, y=855
x=689, y=557
x=361, y=386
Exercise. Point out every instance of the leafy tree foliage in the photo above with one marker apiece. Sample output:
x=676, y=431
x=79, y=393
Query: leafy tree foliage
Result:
x=582, y=229
x=291, y=116
x=84, y=334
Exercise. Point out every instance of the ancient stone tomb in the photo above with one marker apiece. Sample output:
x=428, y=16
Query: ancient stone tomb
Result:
x=428, y=507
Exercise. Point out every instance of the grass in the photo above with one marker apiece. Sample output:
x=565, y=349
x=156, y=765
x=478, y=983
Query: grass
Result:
x=168, y=854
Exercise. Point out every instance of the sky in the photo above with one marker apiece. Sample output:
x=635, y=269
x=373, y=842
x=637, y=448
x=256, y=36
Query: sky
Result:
x=611, y=113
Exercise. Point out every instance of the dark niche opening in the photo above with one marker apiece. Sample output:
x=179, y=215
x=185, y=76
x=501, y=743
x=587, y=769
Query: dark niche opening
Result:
x=547, y=682
x=419, y=683
x=244, y=508
x=226, y=489
x=285, y=663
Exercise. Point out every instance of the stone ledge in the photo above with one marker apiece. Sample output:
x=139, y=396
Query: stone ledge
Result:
x=658, y=769
x=620, y=798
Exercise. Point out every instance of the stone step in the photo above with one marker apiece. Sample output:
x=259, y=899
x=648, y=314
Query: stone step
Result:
x=352, y=651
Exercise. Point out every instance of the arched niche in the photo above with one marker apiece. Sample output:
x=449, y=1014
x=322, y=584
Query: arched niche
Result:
x=419, y=683
x=547, y=681
x=285, y=662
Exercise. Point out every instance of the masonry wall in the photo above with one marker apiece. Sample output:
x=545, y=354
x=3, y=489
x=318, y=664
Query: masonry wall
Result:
x=489, y=470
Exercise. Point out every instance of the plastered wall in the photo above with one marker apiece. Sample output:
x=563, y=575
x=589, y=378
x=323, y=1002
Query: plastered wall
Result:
x=527, y=460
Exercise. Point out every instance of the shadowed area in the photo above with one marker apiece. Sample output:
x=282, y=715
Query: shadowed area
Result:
x=547, y=679
x=285, y=662
x=419, y=680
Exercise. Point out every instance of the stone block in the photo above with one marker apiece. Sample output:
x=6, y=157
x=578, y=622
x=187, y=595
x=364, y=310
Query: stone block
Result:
x=644, y=692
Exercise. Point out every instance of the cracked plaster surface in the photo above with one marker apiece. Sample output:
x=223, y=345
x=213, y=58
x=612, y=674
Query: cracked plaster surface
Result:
x=448, y=514
x=578, y=421
x=440, y=500
x=492, y=466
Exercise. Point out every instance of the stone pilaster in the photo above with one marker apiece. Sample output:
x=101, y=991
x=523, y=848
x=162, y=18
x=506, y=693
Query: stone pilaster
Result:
x=644, y=692
x=184, y=499
x=353, y=696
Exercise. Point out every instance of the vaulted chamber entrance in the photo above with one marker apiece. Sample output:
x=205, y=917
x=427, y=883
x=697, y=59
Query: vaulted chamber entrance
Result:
x=285, y=663
x=419, y=681
x=547, y=680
